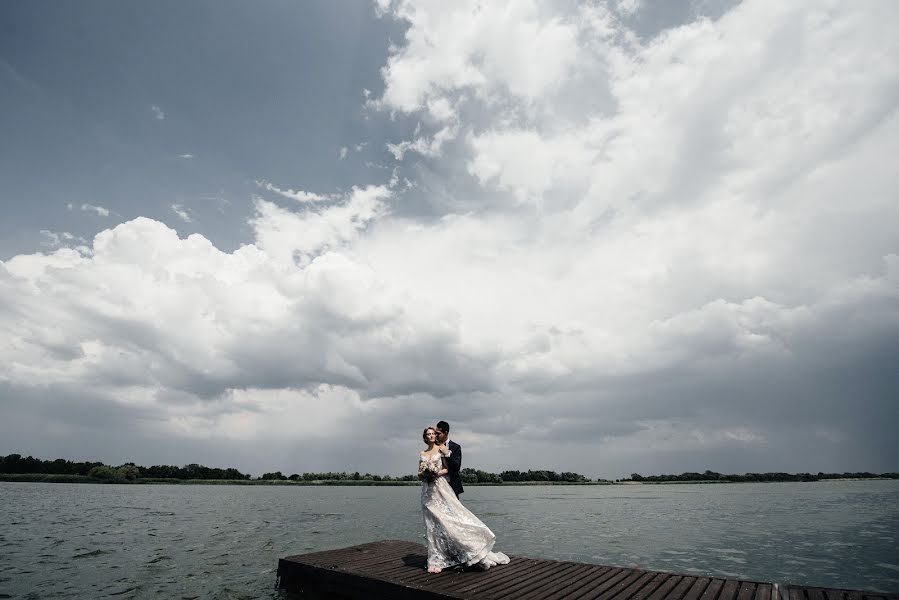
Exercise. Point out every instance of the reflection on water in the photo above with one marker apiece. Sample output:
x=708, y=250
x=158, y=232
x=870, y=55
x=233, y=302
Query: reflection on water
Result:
x=76, y=541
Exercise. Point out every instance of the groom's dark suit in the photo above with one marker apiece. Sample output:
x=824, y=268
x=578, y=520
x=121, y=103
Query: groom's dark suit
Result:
x=454, y=465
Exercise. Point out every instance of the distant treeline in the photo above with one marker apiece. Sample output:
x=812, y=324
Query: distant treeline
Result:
x=478, y=476
x=18, y=465
x=468, y=476
x=15, y=463
x=332, y=476
x=757, y=477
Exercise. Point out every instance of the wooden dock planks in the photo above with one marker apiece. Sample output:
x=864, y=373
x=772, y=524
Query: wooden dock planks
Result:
x=396, y=569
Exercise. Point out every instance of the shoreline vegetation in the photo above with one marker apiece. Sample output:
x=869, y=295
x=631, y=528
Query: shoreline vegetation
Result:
x=15, y=468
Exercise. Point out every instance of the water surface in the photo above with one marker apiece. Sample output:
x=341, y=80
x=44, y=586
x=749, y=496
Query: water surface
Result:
x=184, y=541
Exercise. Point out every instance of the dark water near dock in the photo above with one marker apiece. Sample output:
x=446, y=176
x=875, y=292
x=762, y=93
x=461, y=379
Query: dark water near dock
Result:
x=181, y=541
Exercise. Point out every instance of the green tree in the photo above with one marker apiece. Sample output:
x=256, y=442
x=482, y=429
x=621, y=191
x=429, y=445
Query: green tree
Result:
x=128, y=471
x=104, y=472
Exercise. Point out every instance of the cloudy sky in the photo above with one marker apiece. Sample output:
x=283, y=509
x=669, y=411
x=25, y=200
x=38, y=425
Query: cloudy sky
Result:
x=608, y=236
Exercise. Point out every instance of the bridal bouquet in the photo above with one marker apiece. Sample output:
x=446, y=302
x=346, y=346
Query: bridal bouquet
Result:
x=427, y=471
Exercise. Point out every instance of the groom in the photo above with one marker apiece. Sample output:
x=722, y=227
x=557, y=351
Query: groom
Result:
x=453, y=457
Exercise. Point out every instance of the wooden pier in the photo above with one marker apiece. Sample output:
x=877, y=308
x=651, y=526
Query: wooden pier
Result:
x=396, y=569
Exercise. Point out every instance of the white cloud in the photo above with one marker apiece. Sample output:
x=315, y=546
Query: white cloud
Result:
x=299, y=195
x=425, y=146
x=665, y=248
x=157, y=112
x=629, y=7
x=150, y=317
x=342, y=154
x=182, y=212
x=64, y=238
x=288, y=236
x=487, y=47
x=527, y=163
x=186, y=156
x=51, y=238
x=103, y=212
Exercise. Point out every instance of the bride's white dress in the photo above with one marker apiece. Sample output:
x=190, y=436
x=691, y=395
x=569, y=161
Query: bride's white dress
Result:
x=455, y=536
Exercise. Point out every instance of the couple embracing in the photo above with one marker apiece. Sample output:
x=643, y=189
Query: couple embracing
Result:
x=456, y=537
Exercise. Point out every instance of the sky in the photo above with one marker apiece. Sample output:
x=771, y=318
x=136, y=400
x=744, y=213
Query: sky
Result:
x=607, y=237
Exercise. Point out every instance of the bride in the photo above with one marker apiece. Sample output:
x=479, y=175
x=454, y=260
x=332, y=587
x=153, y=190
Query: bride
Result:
x=455, y=536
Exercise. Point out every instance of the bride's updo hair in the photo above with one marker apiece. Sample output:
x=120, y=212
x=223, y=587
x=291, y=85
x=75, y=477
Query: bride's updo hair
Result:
x=424, y=434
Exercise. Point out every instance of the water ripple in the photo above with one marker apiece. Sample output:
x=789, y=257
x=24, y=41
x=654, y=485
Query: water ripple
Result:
x=209, y=542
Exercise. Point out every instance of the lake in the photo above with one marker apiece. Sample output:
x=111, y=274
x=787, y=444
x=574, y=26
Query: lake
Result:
x=195, y=541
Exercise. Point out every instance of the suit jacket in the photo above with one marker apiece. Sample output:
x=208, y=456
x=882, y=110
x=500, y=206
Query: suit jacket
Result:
x=454, y=465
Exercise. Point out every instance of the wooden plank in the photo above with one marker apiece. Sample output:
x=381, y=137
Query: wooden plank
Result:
x=629, y=591
x=334, y=564
x=729, y=590
x=400, y=575
x=682, y=587
x=747, y=591
x=353, y=556
x=665, y=590
x=589, y=574
x=593, y=576
x=462, y=584
x=432, y=584
x=543, y=569
x=697, y=588
x=657, y=580
x=598, y=588
x=370, y=564
x=631, y=579
x=456, y=581
x=411, y=576
x=711, y=592
x=576, y=573
x=393, y=570
x=497, y=577
x=417, y=578
x=562, y=577
x=325, y=555
x=379, y=546
x=764, y=591
x=508, y=573
x=327, y=583
x=415, y=565
x=408, y=559
x=396, y=569
x=397, y=550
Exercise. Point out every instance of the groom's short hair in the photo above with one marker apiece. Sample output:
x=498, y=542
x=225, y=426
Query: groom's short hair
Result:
x=443, y=426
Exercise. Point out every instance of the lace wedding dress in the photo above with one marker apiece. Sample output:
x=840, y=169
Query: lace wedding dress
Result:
x=455, y=536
